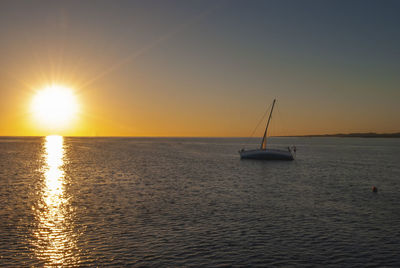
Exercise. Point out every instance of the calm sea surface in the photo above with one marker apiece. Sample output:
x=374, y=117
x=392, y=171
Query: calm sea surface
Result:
x=193, y=202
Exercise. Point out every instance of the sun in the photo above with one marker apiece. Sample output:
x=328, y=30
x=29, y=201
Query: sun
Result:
x=54, y=106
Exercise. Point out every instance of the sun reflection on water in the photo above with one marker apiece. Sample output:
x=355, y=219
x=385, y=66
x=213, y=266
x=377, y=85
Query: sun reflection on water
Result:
x=55, y=240
x=54, y=175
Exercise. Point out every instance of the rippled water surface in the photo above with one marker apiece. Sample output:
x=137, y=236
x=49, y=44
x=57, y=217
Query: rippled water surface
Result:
x=192, y=202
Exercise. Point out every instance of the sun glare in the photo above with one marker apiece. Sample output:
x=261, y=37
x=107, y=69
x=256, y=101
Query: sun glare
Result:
x=54, y=106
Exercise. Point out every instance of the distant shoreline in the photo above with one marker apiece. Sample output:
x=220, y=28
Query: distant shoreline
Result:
x=353, y=135
x=339, y=135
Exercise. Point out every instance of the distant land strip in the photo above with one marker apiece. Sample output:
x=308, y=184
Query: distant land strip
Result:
x=355, y=135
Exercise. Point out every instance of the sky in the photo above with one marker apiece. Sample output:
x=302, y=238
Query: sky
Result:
x=203, y=68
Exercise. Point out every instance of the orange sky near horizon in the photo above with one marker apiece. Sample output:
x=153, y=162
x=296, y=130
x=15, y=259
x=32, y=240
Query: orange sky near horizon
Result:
x=142, y=113
x=195, y=70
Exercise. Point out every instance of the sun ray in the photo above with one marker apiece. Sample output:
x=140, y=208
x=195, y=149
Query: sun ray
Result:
x=165, y=37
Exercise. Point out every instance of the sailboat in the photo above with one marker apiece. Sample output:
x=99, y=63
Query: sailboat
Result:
x=264, y=153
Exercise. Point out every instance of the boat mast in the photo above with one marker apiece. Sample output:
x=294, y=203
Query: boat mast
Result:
x=264, y=140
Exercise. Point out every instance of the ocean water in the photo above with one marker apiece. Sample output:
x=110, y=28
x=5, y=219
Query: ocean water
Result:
x=192, y=202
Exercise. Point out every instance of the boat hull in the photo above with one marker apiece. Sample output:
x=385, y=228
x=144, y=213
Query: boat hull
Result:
x=268, y=154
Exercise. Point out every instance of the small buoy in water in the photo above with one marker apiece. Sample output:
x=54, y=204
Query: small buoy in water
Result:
x=374, y=189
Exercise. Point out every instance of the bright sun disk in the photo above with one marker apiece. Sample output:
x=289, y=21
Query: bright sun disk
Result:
x=54, y=106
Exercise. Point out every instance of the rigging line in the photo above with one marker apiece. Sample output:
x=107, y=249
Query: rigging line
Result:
x=259, y=122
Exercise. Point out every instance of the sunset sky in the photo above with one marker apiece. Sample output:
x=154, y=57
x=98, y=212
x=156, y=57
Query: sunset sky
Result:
x=201, y=68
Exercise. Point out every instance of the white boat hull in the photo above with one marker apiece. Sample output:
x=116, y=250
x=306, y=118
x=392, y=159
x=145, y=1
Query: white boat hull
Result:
x=267, y=154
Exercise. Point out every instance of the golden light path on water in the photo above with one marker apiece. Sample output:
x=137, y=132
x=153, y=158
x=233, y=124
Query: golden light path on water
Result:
x=55, y=242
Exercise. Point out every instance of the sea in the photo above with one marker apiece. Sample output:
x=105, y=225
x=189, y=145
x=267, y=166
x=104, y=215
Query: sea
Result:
x=179, y=202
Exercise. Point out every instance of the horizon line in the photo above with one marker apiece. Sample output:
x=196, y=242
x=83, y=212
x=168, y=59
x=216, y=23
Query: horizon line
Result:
x=275, y=136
